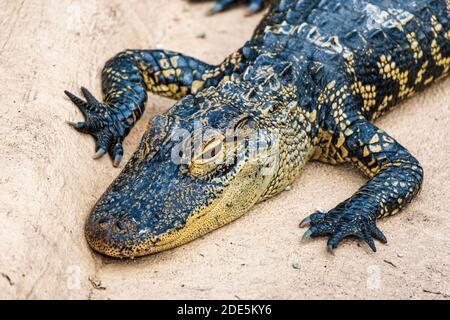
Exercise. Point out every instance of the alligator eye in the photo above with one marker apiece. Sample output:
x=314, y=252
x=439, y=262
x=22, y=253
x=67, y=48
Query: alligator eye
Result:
x=212, y=149
x=209, y=157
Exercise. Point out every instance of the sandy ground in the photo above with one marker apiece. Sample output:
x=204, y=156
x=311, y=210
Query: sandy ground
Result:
x=48, y=181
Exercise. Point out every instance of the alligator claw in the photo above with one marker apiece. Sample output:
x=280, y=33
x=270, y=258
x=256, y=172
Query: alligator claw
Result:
x=307, y=234
x=82, y=105
x=117, y=153
x=329, y=248
x=102, y=123
x=100, y=153
x=368, y=238
x=312, y=219
x=218, y=7
x=71, y=123
x=83, y=127
x=377, y=234
x=340, y=223
x=221, y=5
x=117, y=160
x=255, y=6
x=305, y=222
x=91, y=100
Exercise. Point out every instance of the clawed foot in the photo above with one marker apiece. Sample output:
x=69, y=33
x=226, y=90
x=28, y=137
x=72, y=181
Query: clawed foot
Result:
x=107, y=130
x=222, y=5
x=340, y=223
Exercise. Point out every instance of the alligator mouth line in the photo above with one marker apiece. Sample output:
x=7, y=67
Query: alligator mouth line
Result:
x=194, y=227
x=217, y=214
x=149, y=246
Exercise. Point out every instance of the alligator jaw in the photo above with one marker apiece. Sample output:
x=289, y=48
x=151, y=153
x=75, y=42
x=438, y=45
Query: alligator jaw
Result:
x=241, y=194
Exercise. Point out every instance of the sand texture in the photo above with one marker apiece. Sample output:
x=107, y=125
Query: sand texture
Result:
x=48, y=181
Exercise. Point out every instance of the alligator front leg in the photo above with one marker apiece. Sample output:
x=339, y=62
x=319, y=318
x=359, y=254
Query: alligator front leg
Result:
x=396, y=177
x=125, y=79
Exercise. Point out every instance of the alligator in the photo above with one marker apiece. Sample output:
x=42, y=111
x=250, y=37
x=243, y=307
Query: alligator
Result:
x=308, y=85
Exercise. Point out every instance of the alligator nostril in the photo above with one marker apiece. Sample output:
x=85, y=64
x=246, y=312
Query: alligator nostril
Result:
x=102, y=222
x=122, y=226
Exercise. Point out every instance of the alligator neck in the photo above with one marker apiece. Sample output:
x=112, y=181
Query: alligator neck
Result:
x=278, y=96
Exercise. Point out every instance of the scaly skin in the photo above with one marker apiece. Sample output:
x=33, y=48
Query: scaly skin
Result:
x=313, y=78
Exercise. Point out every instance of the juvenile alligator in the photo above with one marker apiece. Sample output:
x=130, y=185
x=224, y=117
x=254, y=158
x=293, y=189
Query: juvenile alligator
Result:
x=313, y=78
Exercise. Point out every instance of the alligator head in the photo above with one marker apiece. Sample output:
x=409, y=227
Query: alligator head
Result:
x=199, y=166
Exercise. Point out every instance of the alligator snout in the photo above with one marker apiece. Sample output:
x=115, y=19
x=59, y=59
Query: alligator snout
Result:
x=109, y=234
